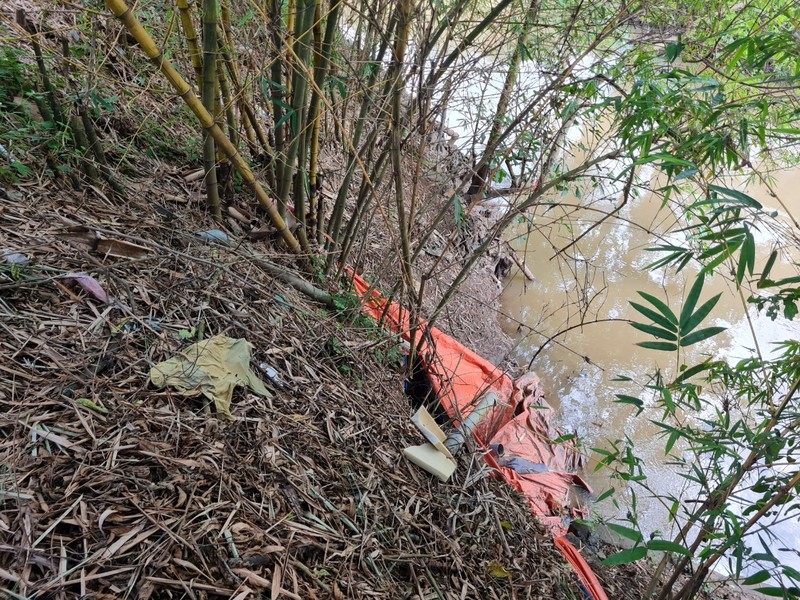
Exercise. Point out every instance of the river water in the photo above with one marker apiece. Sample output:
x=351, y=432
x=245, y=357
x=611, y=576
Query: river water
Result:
x=594, y=281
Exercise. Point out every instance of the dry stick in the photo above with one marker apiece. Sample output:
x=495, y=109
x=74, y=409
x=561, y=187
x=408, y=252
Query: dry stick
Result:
x=481, y=175
x=126, y=16
x=246, y=109
x=335, y=220
x=209, y=92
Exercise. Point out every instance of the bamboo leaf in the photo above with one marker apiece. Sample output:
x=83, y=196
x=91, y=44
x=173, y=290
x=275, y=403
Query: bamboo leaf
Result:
x=691, y=372
x=767, y=268
x=626, y=532
x=633, y=401
x=609, y=492
x=673, y=437
x=755, y=578
x=664, y=346
x=654, y=316
x=700, y=335
x=667, y=546
x=700, y=314
x=736, y=195
x=626, y=556
x=655, y=331
x=691, y=301
x=747, y=257
x=662, y=308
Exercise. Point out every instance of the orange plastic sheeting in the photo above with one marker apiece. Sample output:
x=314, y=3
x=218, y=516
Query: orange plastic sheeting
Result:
x=520, y=422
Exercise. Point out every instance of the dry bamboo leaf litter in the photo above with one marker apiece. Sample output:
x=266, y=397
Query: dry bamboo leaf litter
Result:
x=157, y=496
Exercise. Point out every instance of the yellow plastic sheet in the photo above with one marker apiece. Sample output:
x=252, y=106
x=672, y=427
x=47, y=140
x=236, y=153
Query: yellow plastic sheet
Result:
x=213, y=368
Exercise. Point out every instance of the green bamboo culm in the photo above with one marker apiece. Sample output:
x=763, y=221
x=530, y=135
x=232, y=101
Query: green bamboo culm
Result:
x=149, y=47
x=321, y=60
x=191, y=39
x=303, y=29
x=209, y=95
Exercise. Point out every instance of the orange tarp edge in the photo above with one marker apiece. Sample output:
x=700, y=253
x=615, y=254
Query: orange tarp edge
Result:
x=520, y=422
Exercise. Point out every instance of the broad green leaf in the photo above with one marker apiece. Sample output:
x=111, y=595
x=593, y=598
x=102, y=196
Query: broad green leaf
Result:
x=655, y=331
x=626, y=532
x=662, y=308
x=691, y=301
x=664, y=346
x=654, y=316
x=700, y=335
x=626, y=556
x=667, y=546
x=700, y=314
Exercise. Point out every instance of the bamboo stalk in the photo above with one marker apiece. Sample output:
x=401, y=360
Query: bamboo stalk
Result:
x=277, y=95
x=47, y=85
x=322, y=59
x=304, y=24
x=96, y=148
x=333, y=227
x=401, y=45
x=209, y=95
x=131, y=23
x=190, y=33
x=82, y=144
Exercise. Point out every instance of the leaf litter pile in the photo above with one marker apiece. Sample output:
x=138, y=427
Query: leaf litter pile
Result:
x=113, y=488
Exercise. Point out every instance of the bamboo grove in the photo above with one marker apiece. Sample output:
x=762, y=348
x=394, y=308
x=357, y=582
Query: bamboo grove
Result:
x=328, y=112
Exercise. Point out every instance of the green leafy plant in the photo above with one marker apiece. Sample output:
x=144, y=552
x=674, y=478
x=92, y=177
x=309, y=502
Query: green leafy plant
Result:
x=678, y=331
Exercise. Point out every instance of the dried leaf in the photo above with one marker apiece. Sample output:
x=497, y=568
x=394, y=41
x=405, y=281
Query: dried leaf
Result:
x=89, y=285
x=121, y=249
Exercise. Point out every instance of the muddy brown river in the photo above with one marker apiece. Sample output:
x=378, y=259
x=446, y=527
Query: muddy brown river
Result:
x=591, y=282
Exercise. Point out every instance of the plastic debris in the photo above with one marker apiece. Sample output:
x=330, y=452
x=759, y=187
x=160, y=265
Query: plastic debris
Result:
x=272, y=374
x=13, y=258
x=89, y=285
x=213, y=368
x=215, y=236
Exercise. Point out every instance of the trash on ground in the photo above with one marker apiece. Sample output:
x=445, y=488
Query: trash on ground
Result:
x=434, y=456
x=13, y=258
x=213, y=367
x=215, y=235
